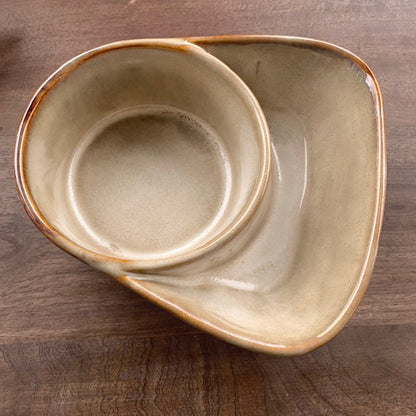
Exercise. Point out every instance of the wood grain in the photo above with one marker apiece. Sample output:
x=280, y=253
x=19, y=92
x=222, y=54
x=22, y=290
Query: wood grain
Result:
x=73, y=341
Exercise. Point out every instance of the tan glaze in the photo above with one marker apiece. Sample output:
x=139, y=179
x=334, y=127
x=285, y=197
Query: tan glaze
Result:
x=305, y=272
x=315, y=239
x=143, y=155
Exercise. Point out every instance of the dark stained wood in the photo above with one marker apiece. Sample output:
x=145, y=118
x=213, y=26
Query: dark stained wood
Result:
x=73, y=341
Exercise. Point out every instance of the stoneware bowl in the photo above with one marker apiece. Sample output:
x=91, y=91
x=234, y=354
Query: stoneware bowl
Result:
x=297, y=268
x=143, y=155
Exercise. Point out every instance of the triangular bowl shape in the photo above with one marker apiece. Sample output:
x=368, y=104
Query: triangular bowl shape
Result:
x=310, y=250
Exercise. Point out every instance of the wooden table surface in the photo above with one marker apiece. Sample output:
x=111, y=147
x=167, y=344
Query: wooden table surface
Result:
x=73, y=341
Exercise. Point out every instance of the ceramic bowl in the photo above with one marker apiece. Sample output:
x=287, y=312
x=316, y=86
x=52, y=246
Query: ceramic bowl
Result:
x=296, y=272
x=143, y=155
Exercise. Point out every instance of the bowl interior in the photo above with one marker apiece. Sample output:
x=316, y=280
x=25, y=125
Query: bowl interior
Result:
x=144, y=152
x=305, y=269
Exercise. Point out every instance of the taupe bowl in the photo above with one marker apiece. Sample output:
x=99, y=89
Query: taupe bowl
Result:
x=295, y=273
x=143, y=155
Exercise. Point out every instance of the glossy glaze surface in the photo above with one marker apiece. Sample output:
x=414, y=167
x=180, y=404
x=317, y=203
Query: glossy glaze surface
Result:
x=307, y=266
x=143, y=154
x=314, y=240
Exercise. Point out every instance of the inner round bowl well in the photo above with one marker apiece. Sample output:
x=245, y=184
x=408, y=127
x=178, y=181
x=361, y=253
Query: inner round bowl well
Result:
x=151, y=152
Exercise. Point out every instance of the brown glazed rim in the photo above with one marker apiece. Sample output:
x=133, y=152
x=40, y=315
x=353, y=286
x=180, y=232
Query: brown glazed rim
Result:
x=363, y=281
x=137, y=265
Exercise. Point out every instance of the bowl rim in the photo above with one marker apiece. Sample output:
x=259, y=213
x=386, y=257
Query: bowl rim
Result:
x=157, y=264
